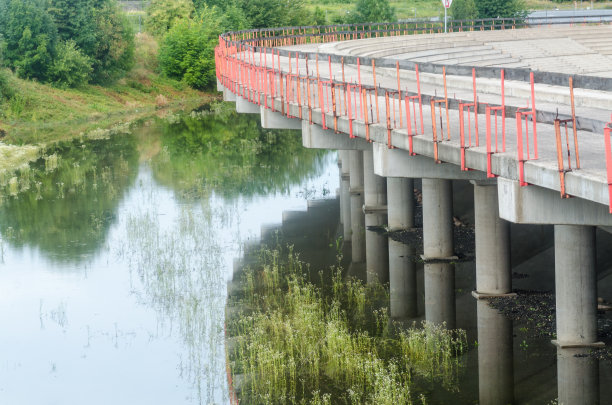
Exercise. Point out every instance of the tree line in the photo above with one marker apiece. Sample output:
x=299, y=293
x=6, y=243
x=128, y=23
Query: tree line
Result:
x=65, y=42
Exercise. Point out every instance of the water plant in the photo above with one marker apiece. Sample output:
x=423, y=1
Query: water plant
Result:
x=297, y=342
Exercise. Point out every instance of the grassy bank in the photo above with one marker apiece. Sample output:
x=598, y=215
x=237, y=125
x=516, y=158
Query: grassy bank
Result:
x=41, y=114
x=433, y=8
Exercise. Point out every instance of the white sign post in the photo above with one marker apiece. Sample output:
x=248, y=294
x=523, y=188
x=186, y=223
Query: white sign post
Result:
x=446, y=4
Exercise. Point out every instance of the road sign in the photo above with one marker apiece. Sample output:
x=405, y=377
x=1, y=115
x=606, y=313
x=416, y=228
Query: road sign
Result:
x=447, y=3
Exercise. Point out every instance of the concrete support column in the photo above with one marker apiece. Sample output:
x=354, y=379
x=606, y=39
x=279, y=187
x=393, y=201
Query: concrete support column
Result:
x=493, y=271
x=375, y=187
x=377, y=249
x=575, y=285
x=358, y=247
x=400, y=203
x=345, y=196
x=437, y=218
x=577, y=377
x=440, y=294
x=402, y=280
x=495, y=365
x=438, y=248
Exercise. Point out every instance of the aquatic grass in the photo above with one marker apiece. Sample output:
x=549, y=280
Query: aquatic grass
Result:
x=431, y=351
x=296, y=344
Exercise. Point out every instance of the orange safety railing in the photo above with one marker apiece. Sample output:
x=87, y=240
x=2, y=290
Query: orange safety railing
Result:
x=523, y=145
x=495, y=110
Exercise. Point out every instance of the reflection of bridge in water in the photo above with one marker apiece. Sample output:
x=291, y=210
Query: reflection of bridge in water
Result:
x=520, y=113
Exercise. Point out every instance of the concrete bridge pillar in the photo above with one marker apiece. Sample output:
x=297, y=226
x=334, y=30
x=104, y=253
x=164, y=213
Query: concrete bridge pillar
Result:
x=577, y=377
x=345, y=195
x=438, y=248
x=400, y=203
x=493, y=271
x=375, y=187
x=495, y=356
x=358, y=248
x=575, y=285
x=437, y=219
x=402, y=280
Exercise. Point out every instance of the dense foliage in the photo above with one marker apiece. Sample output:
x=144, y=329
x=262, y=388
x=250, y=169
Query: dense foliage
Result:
x=464, y=10
x=373, y=11
x=67, y=42
x=186, y=51
x=500, y=8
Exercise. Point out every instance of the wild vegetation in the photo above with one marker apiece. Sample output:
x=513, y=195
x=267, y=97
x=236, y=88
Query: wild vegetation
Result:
x=296, y=342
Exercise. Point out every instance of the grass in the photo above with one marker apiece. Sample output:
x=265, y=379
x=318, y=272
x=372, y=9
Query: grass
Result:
x=433, y=8
x=40, y=113
x=295, y=342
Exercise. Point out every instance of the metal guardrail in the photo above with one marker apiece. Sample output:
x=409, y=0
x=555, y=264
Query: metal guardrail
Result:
x=242, y=60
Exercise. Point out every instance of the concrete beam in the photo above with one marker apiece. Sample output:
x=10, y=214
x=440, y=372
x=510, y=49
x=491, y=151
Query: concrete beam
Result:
x=315, y=137
x=244, y=106
x=228, y=95
x=219, y=86
x=399, y=163
x=537, y=205
x=276, y=120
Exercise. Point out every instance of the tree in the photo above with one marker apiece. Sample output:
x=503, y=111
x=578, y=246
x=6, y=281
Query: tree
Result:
x=114, y=50
x=500, y=8
x=74, y=21
x=264, y=13
x=464, y=10
x=164, y=14
x=373, y=11
x=70, y=67
x=30, y=37
x=319, y=16
x=187, y=50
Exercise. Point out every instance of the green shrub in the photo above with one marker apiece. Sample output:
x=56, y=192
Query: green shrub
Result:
x=464, y=10
x=162, y=15
x=187, y=51
x=373, y=11
x=6, y=89
x=70, y=68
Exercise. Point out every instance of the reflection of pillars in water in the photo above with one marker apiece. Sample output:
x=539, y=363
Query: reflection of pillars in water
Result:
x=358, y=250
x=437, y=250
x=345, y=195
x=440, y=293
x=493, y=272
x=575, y=284
x=495, y=367
x=377, y=250
x=402, y=280
x=400, y=203
x=375, y=205
x=577, y=377
x=402, y=267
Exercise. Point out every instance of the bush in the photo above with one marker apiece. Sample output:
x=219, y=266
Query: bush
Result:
x=187, y=51
x=70, y=68
x=30, y=37
x=500, y=8
x=162, y=15
x=114, y=51
x=373, y=11
x=6, y=89
x=464, y=10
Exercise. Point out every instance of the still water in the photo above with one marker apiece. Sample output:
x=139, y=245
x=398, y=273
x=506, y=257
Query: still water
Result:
x=116, y=252
x=115, y=256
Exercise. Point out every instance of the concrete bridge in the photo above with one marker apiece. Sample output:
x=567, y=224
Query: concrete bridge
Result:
x=523, y=114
